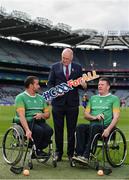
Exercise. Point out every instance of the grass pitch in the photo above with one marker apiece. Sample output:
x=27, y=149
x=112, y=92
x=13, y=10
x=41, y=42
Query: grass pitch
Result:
x=63, y=169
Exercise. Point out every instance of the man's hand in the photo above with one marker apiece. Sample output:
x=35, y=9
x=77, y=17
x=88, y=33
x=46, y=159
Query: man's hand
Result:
x=38, y=116
x=100, y=117
x=59, y=95
x=106, y=132
x=83, y=83
x=29, y=134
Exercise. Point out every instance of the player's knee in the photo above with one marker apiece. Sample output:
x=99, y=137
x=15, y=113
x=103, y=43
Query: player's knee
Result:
x=49, y=131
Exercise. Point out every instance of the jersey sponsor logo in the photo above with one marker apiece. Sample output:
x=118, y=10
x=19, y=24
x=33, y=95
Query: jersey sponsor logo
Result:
x=100, y=107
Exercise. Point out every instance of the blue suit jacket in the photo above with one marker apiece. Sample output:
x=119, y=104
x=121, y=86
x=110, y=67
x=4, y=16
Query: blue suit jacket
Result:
x=57, y=77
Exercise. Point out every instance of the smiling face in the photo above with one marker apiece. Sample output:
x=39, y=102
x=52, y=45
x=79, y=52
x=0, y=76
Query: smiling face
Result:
x=67, y=56
x=103, y=87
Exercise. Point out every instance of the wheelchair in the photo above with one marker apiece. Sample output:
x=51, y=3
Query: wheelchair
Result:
x=112, y=150
x=16, y=147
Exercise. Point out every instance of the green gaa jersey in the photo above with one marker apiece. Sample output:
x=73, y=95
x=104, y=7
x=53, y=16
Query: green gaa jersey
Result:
x=103, y=104
x=31, y=104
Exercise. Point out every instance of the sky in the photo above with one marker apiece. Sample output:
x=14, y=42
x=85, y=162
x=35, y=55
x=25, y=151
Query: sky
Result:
x=100, y=15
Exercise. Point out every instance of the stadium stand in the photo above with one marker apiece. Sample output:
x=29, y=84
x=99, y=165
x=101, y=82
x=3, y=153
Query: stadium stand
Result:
x=100, y=59
x=19, y=58
x=8, y=94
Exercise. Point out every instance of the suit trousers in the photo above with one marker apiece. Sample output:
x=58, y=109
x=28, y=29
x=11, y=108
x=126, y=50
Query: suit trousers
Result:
x=59, y=115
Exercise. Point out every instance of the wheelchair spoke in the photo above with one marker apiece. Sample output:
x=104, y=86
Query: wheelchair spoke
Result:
x=16, y=147
x=116, y=148
x=12, y=146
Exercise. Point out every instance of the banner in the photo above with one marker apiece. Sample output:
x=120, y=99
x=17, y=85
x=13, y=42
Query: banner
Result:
x=65, y=87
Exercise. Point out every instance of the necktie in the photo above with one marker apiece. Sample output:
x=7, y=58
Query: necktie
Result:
x=67, y=73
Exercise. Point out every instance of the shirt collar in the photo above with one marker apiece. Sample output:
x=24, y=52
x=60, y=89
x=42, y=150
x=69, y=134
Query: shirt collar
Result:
x=29, y=94
x=105, y=95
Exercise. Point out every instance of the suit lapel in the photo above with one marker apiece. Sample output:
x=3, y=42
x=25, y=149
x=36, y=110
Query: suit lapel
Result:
x=72, y=71
x=62, y=71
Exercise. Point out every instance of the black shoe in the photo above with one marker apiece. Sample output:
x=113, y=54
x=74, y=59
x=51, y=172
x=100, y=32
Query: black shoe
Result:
x=58, y=157
x=41, y=153
x=70, y=158
x=83, y=159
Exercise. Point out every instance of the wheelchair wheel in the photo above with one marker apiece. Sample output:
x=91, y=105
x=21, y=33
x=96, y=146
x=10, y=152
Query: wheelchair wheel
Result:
x=116, y=148
x=12, y=146
x=95, y=144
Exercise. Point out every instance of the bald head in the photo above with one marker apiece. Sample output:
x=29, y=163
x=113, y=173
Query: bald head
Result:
x=67, y=56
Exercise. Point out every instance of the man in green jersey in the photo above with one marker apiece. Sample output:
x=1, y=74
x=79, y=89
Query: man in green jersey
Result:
x=102, y=109
x=31, y=114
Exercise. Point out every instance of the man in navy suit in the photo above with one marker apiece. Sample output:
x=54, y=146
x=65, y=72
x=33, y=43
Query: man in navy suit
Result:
x=65, y=105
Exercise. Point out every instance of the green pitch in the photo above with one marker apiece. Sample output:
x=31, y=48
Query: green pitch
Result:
x=63, y=170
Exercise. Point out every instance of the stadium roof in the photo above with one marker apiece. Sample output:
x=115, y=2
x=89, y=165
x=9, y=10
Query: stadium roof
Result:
x=19, y=24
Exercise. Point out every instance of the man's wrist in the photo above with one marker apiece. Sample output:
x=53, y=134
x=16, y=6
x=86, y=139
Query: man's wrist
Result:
x=93, y=118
